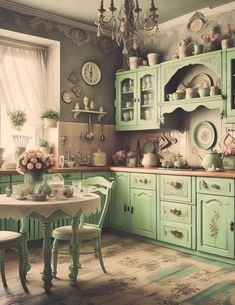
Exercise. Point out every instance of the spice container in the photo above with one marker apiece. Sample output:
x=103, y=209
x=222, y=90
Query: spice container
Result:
x=99, y=158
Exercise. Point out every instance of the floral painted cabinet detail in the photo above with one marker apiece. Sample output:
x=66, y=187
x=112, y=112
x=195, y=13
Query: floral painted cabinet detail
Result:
x=215, y=216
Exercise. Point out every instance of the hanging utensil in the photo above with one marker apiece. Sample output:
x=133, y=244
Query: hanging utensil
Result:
x=90, y=134
x=102, y=137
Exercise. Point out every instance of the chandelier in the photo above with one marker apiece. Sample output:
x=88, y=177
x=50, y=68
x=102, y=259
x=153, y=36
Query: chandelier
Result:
x=128, y=21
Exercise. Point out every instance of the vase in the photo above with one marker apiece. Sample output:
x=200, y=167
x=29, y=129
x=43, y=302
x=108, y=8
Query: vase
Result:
x=34, y=178
x=229, y=162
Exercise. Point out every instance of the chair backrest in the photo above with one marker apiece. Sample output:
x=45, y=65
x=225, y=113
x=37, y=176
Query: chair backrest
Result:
x=101, y=186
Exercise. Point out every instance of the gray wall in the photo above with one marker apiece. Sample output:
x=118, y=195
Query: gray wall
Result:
x=74, y=53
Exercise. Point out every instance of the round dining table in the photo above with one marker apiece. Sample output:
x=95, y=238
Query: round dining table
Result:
x=48, y=211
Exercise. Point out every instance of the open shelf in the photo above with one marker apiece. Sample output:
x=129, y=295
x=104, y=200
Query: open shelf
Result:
x=99, y=113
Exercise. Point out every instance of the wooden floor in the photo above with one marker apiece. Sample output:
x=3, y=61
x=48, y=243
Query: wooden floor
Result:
x=138, y=274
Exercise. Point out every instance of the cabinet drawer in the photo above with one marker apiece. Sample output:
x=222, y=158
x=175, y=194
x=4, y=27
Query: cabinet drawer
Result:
x=178, y=212
x=177, y=234
x=143, y=181
x=215, y=186
x=176, y=188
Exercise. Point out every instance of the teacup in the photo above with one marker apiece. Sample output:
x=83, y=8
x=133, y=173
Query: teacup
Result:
x=203, y=91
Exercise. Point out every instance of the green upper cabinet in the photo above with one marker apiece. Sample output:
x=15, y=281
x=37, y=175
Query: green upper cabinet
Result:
x=203, y=70
x=229, y=80
x=136, y=99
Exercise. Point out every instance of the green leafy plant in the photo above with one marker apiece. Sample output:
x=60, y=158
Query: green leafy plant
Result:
x=17, y=118
x=43, y=142
x=136, y=52
x=50, y=114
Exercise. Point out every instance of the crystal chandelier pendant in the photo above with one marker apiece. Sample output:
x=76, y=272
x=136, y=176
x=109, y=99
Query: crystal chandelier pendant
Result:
x=128, y=22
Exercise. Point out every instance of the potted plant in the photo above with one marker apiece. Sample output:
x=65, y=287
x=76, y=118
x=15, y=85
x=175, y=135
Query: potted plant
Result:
x=50, y=117
x=44, y=146
x=17, y=118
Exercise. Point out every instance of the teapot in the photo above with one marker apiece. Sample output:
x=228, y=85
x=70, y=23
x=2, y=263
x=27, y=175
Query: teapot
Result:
x=212, y=160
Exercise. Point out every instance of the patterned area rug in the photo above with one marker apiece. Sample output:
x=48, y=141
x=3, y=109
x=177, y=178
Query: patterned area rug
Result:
x=138, y=274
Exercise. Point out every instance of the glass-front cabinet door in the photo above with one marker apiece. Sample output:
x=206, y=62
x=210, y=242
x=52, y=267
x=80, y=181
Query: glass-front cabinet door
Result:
x=126, y=97
x=147, y=98
x=136, y=99
x=230, y=61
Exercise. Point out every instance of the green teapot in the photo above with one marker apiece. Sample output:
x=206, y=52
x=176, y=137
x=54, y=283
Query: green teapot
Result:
x=212, y=160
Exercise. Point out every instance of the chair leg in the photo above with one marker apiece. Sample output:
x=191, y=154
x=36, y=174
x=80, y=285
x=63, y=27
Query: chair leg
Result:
x=54, y=257
x=98, y=242
x=21, y=269
x=2, y=259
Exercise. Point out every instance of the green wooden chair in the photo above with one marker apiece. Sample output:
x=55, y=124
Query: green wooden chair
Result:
x=10, y=240
x=88, y=231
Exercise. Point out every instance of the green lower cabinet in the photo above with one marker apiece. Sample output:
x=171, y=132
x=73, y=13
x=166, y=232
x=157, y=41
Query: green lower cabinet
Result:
x=119, y=208
x=143, y=212
x=176, y=224
x=215, y=222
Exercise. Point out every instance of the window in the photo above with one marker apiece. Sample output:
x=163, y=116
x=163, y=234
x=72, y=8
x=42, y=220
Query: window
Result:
x=25, y=71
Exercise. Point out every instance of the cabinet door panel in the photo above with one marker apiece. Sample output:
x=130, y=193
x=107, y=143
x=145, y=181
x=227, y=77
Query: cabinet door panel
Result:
x=143, y=210
x=120, y=202
x=215, y=234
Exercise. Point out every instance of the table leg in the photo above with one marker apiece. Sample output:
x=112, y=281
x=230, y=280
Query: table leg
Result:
x=74, y=253
x=47, y=271
x=24, y=230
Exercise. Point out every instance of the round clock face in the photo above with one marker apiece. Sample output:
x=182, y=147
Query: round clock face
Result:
x=67, y=96
x=91, y=73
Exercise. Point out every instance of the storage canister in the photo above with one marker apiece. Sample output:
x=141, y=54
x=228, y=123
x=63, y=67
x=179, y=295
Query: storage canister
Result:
x=100, y=158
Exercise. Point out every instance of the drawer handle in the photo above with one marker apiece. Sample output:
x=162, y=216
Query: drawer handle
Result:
x=204, y=184
x=132, y=210
x=215, y=186
x=175, y=211
x=176, y=233
x=125, y=208
x=232, y=226
x=145, y=181
x=176, y=184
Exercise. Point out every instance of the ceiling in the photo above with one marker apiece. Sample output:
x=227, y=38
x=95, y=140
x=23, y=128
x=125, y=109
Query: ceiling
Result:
x=85, y=11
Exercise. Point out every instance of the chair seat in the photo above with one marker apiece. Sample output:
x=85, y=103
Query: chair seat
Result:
x=9, y=239
x=65, y=232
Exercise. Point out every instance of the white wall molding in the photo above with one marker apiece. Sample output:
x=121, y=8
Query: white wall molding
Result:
x=42, y=14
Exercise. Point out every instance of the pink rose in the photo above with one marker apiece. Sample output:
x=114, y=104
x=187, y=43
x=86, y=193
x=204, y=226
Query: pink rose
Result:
x=30, y=165
x=38, y=165
x=24, y=162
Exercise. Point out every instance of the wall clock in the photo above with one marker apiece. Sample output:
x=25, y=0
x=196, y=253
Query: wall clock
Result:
x=91, y=73
x=67, y=96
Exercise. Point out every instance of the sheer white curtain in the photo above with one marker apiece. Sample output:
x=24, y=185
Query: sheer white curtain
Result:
x=23, y=86
x=23, y=81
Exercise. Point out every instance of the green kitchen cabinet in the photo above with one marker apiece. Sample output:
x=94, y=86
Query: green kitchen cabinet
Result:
x=215, y=216
x=120, y=208
x=229, y=80
x=134, y=204
x=176, y=215
x=136, y=99
x=143, y=212
x=203, y=70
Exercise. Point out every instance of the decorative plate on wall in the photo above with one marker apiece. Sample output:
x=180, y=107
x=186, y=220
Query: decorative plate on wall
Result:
x=148, y=147
x=67, y=96
x=204, y=135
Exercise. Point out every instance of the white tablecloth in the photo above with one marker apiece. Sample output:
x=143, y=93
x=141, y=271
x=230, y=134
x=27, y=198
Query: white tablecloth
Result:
x=17, y=209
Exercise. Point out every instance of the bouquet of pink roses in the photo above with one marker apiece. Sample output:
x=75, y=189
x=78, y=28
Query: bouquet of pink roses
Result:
x=35, y=163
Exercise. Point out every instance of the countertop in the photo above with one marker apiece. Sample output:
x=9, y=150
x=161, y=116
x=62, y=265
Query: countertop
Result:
x=152, y=170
